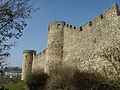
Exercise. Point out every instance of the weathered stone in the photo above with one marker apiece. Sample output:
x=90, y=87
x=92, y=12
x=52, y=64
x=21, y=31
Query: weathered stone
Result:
x=81, y=47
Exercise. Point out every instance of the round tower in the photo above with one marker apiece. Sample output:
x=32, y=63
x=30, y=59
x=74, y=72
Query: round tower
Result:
x=27, y=63
x=54, y=51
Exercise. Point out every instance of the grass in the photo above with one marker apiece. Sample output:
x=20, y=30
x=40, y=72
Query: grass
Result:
x=13, y=79
x=17, y=86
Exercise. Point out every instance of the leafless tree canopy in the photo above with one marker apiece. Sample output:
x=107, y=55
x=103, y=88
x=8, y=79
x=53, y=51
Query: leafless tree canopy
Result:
x=12, y=22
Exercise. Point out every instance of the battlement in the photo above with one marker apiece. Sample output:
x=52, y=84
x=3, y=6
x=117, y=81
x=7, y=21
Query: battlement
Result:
x=70, y=27
x=97, y=19
x=77, y=46
x=58, y=25
x=109, y=14
x=29, y=51
x=42, y=52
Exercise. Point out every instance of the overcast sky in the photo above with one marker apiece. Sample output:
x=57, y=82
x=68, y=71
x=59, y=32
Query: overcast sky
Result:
x=73, y=12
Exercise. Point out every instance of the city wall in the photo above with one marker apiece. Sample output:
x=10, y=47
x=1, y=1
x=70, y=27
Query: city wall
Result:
x=82, y=47
x=39, y=62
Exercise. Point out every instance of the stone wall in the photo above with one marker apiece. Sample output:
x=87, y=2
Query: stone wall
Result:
x=39, y=62
x=54, y=52
x=83, y=47
x=27, y=64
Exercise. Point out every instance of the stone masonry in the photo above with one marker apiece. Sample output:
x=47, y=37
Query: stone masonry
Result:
x=82, y=47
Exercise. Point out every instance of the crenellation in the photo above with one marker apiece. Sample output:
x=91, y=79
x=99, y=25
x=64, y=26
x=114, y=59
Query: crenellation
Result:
x=97, y=19
x=77, y=29
x=71, y=26
x=101, y=16
x=42, y=52
x=90, y=23
x=86, y=26
x=29, y=51
x=77, y=46
x=80, y=28
x=39, y=61
x=74, y=27
x=67, y=25
x=39, y=53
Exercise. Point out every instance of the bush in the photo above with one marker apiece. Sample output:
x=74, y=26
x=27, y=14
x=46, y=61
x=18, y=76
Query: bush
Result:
x=72, y=79
x=68, y=78
x=37, y=81
x=59, y=78
x=84, y=80
x=15, y=86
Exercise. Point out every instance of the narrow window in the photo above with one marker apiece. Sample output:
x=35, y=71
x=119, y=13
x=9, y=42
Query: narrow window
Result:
x=58, y=26
x=49, y=28
x=80, y=28
x=101, y=16
x=90, y=23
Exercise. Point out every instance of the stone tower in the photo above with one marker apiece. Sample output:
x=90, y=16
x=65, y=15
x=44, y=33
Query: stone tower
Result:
x=54, y=51
x=27, y=63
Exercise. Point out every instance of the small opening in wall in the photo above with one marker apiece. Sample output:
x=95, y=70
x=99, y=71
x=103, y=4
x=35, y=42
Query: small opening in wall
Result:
x=90, y=23
x=80, y=28
x=58, y=26
x=101, y=16
x=49, y=28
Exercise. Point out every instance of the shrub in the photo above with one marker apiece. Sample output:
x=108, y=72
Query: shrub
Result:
x=72, y=79
x=68, y=78
x=84, y=80
x=88, y=81
x=37, y=81
x=59, y=78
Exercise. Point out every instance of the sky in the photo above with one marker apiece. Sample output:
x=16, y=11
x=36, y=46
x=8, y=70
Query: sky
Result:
x=73, y=12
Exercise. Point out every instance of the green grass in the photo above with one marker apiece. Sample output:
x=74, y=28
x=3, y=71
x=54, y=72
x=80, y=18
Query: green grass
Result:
x=17, y=86
x=5, y=77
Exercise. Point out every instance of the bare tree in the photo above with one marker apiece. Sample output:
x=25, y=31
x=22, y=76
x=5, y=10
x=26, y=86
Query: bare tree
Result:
x=13, y=14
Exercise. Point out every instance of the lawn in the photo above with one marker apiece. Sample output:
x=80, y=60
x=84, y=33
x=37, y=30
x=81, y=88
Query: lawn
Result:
x=17, y=86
